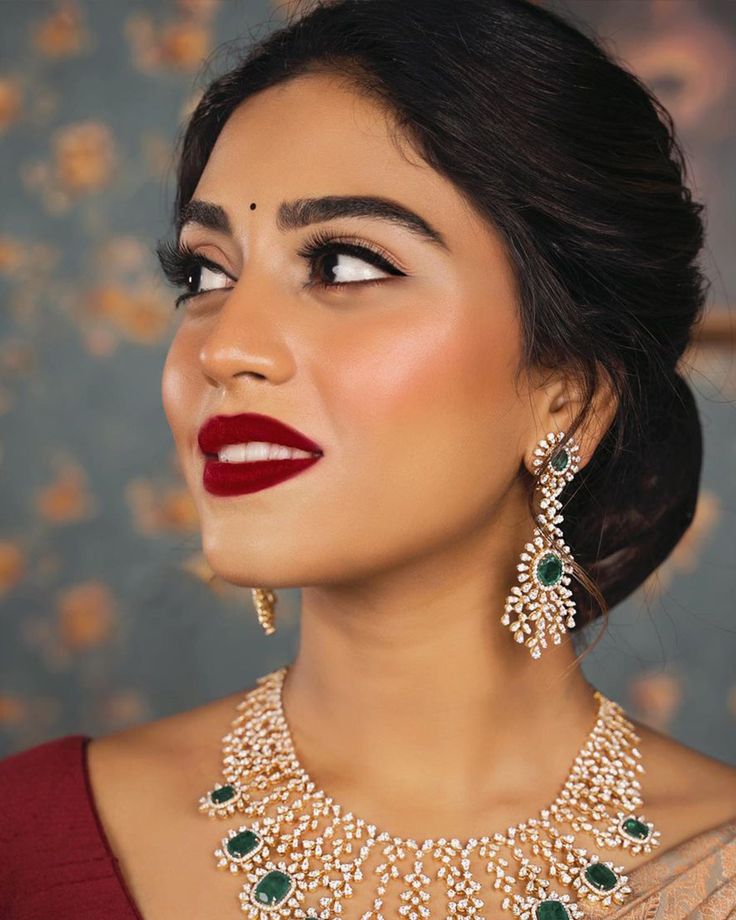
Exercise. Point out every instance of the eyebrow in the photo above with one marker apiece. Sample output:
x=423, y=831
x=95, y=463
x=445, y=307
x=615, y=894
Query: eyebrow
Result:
x=302, y=212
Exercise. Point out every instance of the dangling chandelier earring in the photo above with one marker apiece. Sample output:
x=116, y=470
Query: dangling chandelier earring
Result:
x=265, y=602
x=542, y=596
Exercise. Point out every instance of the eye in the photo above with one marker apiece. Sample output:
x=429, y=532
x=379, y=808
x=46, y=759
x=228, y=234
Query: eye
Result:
x=184, y=268
x=340, y=260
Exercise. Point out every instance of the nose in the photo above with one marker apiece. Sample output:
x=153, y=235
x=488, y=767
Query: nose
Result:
x=246, y=339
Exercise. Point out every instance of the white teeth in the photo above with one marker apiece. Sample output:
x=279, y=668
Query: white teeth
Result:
x=258, y=450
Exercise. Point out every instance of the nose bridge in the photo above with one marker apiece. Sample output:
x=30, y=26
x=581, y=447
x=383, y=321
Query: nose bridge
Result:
x=246, y=338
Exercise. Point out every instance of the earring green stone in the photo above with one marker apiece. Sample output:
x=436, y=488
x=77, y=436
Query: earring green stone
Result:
x=548, y=570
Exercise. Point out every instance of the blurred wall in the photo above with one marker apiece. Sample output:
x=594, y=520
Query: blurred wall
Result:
x=108, y=616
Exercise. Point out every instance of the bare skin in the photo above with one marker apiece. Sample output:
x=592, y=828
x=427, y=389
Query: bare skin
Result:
x=404, y=673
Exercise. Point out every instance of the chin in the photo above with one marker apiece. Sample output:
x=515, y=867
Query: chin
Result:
x=249, y=566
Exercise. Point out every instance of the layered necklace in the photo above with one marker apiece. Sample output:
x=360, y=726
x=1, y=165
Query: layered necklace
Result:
x=305, y=856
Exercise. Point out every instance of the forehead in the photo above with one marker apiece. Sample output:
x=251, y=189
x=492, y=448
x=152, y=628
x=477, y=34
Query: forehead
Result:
x=313, y=135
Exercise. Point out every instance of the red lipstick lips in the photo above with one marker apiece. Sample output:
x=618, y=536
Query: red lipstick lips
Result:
x=237, y=478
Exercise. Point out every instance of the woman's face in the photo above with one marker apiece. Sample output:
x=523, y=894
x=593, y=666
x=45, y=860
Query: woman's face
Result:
x=407, y=384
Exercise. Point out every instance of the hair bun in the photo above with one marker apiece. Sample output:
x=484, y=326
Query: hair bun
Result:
x=637, y=499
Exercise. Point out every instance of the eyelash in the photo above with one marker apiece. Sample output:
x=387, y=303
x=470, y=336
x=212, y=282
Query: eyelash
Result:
x=178, y=262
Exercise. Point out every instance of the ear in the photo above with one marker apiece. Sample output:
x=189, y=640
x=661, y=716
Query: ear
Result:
x=559, y=397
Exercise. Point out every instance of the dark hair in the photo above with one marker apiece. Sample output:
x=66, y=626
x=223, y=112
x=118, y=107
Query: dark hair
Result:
x=574, y=162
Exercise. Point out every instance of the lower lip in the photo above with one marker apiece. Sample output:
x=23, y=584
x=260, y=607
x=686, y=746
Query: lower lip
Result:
x=221, y=478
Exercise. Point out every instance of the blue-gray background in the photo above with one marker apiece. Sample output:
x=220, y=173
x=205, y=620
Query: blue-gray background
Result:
x=108, y=614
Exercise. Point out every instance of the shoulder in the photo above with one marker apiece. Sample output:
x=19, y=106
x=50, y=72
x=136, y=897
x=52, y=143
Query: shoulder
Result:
x=691, y=792
x=183, y=737
x=150, y=768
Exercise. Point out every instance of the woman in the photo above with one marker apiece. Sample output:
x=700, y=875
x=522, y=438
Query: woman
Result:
x=439, y=259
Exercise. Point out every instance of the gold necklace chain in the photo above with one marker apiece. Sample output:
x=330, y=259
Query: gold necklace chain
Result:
x=305, y=856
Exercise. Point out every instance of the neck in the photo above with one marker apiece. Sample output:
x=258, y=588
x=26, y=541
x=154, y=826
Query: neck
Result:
x=407, y=689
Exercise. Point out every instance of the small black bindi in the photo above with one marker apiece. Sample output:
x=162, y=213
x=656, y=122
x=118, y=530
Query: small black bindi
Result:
x=252, y=205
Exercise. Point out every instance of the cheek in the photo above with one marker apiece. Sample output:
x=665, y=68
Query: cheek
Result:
x=178, y=387
x=427, y=409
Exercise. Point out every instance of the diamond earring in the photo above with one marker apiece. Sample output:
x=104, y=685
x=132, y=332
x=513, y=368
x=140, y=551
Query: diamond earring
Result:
x=542, y=597
x=265, y=602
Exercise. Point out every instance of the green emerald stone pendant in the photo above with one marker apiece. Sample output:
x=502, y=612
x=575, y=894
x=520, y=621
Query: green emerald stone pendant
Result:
x=223, y=800
x=635, y=829
x=600, y=878
x=243, y=844
x=548, y=571
x=222, y=794
x=272, y=890
x=548, y=905
x=551, y=910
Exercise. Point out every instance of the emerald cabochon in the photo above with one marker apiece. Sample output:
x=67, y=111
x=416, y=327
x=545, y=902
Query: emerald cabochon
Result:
x=551, y=910
x=243, y=844
x=273, y=889
x=549, y=569
x=561, y=461
x=632, y=827
x=600, y=877
x=222, y=794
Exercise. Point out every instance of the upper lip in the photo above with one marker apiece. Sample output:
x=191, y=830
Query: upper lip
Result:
x=220, y=430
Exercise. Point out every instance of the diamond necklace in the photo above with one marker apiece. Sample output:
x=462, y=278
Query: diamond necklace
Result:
x=304, y=855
